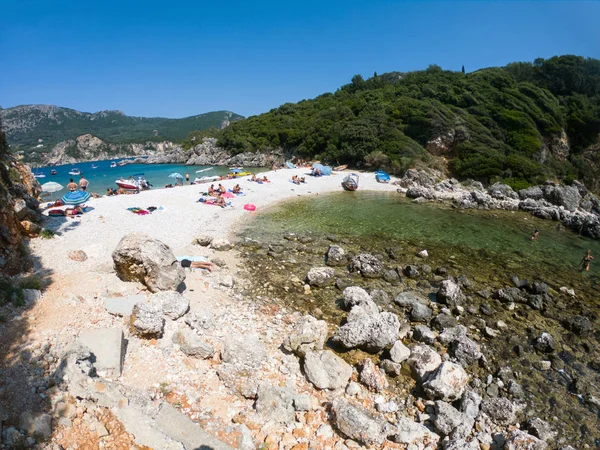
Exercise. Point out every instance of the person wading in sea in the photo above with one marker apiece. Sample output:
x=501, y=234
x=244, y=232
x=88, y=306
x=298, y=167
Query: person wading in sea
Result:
x=585, y=262
x=83, y=183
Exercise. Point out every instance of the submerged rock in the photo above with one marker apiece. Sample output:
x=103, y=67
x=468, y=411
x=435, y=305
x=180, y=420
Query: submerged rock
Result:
x=336, y=256
x=321, y=276
x=367, y=265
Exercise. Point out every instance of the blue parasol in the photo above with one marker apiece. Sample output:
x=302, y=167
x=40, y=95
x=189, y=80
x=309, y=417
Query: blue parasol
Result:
x=176, y=175
x=75, y=198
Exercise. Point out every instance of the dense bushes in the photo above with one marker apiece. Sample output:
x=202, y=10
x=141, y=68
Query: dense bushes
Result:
x=493, y=123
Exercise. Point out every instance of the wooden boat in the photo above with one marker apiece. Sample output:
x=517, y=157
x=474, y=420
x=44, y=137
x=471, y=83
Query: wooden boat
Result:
x=350, y=182
x=340, y=168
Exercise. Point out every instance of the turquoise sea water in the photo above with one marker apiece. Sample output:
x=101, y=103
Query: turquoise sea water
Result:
x=104, y=176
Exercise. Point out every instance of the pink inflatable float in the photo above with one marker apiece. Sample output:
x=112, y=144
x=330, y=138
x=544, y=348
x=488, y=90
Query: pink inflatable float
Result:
x=249, y=207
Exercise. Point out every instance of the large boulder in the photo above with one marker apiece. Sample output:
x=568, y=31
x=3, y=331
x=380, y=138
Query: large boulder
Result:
x=140, y=258
x=533, y=192
x=447, y=418
x=565, y=196
x=321, y=276
x=359, y=424
x=372, y=376
x=147, y=320
x=501, y=410
x=502, y=191
x=447, y=383
x=371, y=332
x=174, y=305
x=355, y=295
x=367, y=265
x=326, y=370
x=308, y=335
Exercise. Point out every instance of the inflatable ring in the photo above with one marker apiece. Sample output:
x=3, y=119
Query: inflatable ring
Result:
x=249, y=207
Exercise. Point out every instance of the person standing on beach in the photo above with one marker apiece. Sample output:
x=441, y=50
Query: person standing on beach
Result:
x=187, y=178
x=83, y=183
x=585, y=262
x=72, y=186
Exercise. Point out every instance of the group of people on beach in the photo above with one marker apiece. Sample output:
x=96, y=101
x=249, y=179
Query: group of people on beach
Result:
x=83, y=184
x=585, y=261
x=297, y=180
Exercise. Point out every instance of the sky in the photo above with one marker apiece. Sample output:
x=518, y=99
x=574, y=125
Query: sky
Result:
x=181, y=58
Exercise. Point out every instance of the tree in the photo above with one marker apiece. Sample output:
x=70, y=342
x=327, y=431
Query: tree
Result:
x=463, y=69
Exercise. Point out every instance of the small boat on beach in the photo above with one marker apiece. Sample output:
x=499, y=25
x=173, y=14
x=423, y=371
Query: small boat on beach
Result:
x=113, y=165
x=206, y=179
x=350, y=182
x=75, y=171
x=382, y=177
x=340, y=168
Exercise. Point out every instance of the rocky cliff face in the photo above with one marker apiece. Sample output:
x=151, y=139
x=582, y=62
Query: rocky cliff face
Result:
x=207, y=153
x=18, y=211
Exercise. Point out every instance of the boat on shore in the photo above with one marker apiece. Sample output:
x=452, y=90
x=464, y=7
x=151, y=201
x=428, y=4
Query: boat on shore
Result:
x=75, y=171
x=206, y=179
x=350, y=182
x=382, y=177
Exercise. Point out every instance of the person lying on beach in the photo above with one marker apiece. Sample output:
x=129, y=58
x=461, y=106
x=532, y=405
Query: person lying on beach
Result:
x=253, y=178
x=211, y=191
x=76, y=211
x=220, y=201
x=237, y=189
x=302, y=180
x=110, y=191
x=295, y=179
x=265, y=180
x=197, y=264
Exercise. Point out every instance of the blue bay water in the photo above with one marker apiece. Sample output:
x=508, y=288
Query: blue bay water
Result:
x=104, y=177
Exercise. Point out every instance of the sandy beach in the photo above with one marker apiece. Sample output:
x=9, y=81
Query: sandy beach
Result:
x=182, y=218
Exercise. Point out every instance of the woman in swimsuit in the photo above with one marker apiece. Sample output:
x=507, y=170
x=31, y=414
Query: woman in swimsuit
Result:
x=586, y=260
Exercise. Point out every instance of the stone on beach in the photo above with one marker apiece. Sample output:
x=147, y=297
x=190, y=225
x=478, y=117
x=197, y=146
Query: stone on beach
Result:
x=371, y=332
x=309, y=334
x=140, y=258
x=359, y=424
x=147, y=320
x=326, y=370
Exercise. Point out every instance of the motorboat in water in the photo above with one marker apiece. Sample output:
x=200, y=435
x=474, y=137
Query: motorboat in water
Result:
x=350, y=182
x=39, y=175
x=113, y=165
x=75, y=172
x=53, y=172
x=94, y=166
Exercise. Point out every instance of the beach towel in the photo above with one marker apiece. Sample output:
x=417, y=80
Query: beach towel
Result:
x=227, y=195
x=235, y=193
x=138, y=211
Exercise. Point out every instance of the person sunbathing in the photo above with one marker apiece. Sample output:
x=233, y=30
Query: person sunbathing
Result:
x=221, y=189
x=265, y=180
x=197, y=264
x=295, y=179
x=254, y=178
x=72, y=212
x=211, y=191
x=220, y=201
x=237, y=189
x=302, y=180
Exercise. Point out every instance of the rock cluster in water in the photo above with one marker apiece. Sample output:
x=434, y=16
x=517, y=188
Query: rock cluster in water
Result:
x=574, y=206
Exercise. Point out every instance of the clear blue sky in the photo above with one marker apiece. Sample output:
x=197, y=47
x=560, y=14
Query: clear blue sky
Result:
x=180, y=58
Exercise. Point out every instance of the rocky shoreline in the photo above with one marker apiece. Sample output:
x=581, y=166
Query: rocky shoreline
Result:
x=575, y=206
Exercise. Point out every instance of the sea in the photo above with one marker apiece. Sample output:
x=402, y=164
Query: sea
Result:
x=101, y=176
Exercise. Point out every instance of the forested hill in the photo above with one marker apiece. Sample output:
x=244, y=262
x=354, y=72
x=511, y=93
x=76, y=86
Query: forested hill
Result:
x=37, y=128
x=522, y=123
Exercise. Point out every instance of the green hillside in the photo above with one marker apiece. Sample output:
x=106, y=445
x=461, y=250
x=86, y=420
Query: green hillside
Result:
x=26, y=125
x=497, y=123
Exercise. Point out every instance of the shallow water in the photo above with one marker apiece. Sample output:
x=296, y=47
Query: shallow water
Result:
x=104, y=177
x=500, y=235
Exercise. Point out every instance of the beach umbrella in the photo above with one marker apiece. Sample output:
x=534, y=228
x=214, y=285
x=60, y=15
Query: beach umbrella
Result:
x=75, y=198
x=51, y=186
x=176, y=175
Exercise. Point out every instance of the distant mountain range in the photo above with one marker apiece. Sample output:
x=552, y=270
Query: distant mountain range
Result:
x=36, y=129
